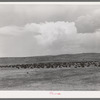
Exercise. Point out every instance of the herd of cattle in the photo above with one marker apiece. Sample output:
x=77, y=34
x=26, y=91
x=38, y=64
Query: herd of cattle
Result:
x=55, y=65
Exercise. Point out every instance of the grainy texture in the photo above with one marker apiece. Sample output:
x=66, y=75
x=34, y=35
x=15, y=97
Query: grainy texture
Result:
x=51, y=79
x=50, y=46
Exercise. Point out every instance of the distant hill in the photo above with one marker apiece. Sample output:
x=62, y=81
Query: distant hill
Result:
x=55, y=58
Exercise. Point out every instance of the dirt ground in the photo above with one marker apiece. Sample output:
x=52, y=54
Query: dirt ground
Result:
x=72, y=79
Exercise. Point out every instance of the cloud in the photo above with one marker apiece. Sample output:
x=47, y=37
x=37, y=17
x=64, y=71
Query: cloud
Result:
x=18, y=41
x=50, y=32
x=46, y=38
x=19, y=30
x=88, y=23
x=62, y=37
x=25, y=33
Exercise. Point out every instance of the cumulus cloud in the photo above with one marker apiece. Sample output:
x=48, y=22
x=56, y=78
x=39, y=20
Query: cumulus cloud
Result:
x=88, y=23
x=50, y=32
x=46, y=39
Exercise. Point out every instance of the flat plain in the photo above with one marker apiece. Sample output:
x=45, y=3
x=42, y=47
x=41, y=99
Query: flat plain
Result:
x=64, y=79
x=50, y=79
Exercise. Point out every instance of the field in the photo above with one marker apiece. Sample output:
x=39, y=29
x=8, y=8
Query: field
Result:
x=50, y=79
x=64, y=72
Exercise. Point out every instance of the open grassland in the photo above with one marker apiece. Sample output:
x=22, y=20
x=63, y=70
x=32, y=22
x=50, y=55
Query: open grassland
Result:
x=76, y=72
x=64, y=79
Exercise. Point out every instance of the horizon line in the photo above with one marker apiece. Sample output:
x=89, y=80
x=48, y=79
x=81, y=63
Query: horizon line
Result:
x=49, y=55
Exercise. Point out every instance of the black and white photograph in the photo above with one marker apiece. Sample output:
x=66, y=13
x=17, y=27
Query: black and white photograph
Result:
x=50, y=47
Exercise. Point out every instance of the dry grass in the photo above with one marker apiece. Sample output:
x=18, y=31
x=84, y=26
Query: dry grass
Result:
x=50, y=79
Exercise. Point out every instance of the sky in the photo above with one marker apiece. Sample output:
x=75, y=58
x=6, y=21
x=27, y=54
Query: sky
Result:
x=37, y=30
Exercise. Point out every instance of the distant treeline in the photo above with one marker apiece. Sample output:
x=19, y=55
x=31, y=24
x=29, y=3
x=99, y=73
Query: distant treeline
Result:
x=54, y=65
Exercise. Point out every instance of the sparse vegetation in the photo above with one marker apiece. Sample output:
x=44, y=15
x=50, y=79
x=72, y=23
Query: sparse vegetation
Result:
x=55, y=65
x=63, y=72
